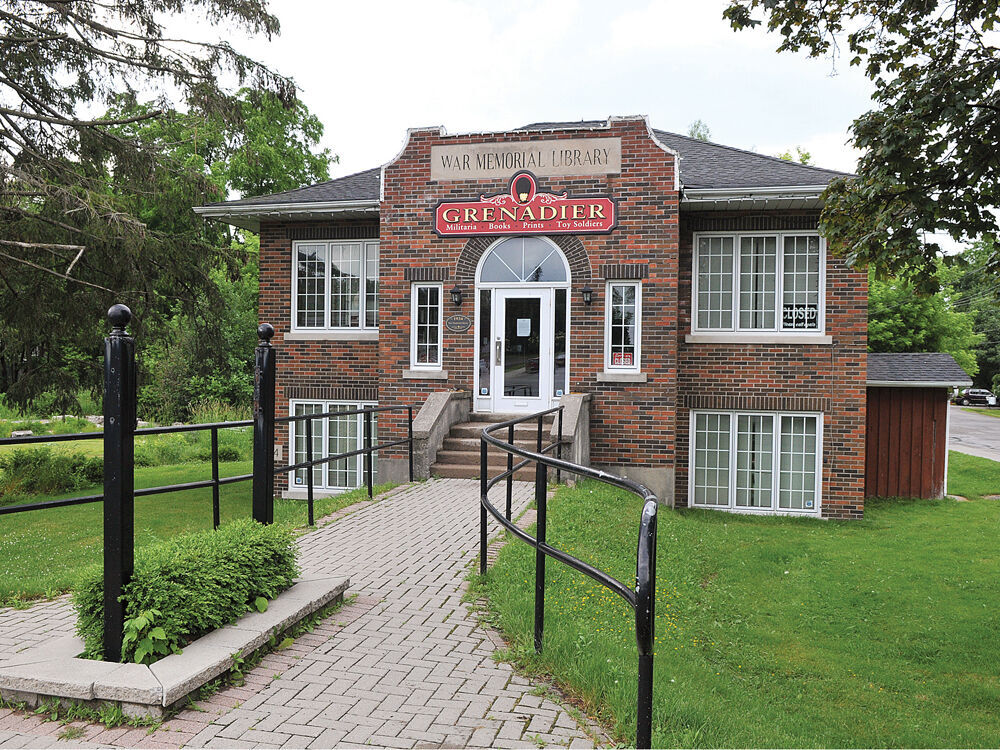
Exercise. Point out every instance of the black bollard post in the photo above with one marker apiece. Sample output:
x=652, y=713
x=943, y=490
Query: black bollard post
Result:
x=119, y=488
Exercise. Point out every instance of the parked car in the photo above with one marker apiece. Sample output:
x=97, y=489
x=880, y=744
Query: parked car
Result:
x=974, y=397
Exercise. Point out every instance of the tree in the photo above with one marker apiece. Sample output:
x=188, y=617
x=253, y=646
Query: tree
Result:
x=801, y=155
x=698, y=129
x=96, y=210
x=969, y=289
x=902, y=320
x=929, y=161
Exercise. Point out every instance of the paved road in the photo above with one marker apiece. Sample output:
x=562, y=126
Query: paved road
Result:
x=406, y=664
x=975, y=434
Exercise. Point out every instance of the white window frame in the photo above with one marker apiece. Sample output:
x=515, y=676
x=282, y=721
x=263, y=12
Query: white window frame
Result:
x=326, y=406
x=775, y=458
x=414, y=295
x=636, y=365
x=777, y=330
x=365, y=246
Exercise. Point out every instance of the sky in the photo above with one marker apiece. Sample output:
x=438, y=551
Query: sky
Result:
x=370, y=70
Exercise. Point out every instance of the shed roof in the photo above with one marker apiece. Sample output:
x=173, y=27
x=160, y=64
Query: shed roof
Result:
x=915, y=369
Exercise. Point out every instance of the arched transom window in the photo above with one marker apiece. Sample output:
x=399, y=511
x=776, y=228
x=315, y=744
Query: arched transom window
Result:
x=524, y=259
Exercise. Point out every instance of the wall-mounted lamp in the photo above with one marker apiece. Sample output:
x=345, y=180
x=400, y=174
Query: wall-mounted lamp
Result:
x=588, y=295
x=456, y=295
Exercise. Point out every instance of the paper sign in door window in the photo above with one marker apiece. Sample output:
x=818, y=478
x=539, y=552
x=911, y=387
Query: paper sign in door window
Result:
x=524, y=326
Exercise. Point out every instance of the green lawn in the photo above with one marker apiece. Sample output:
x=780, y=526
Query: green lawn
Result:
x=987, y=411
x=42, y=552
x=779, y=632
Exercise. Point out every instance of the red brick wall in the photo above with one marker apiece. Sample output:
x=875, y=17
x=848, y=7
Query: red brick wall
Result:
x=628, y=423
x=829, y=378
x=333, y=370
x=641, y=424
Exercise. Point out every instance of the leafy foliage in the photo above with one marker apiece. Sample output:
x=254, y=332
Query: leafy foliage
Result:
x=929, y=159
x=699, y=129
x=190, y=585
x=45, y=471
x=146, y=638
x=96, y=211
x=971, y=289
x=900, y=319
x=801, y=155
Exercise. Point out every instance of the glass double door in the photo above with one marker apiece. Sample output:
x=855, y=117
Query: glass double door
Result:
x=527, y=349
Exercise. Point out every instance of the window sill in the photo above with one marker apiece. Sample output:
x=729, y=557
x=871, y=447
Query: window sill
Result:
x=610, y=376
x=358, y=335
x=425, y=374
x=732, y=337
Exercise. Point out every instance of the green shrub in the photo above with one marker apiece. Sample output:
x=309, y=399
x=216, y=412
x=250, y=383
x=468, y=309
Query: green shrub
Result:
x=211, y=410
x=194, y=583
x=39, y=471
x=43, y=471
x=91, y=471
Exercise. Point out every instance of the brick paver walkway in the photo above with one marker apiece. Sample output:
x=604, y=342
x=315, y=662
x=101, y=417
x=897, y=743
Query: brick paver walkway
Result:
x=406, y=664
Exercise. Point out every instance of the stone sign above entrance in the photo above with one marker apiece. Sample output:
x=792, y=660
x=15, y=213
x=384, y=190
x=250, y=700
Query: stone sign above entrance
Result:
x=555, y=158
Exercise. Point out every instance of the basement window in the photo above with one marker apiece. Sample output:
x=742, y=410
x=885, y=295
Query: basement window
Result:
x=756, y=462
x=331, y=436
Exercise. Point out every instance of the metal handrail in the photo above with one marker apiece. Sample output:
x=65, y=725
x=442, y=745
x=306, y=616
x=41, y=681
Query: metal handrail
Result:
x=215, y=482
x=367, y=451
x=642, y=598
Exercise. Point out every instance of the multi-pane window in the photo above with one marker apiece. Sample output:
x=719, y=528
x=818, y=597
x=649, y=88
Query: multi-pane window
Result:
x=800, y=283
x=756, y=462
x=758, y=282
x=711, y=459
x=331, y=436
x=797, y=484
x=715, y=282
x=336, y=284
x=425, y=317
x=623, y=324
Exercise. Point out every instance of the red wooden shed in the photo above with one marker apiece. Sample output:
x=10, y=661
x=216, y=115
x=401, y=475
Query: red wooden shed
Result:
x=908, y=423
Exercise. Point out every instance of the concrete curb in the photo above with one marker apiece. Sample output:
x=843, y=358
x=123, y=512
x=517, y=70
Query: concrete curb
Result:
x=52, y=670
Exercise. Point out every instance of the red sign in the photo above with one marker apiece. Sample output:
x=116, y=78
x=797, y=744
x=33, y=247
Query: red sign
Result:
x=621, y=359
x=525, y=210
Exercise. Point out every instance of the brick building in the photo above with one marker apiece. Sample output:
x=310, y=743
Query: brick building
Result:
x=674, y=294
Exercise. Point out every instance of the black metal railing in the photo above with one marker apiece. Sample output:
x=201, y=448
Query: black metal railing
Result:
x=367, y=451
x=215, y=482
x=642, y=598
x=119, y=435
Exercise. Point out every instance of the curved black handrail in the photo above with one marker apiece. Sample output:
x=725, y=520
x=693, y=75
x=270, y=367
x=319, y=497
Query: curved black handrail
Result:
x=642, y=599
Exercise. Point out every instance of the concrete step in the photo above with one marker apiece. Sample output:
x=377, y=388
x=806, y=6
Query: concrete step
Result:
x=472, y=444
x=496, y=418
x=471, y=471
x=472, y=457
x=475, y=429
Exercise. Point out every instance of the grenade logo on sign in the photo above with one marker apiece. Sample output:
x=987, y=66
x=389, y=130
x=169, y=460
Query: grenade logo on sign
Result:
x=523, y=209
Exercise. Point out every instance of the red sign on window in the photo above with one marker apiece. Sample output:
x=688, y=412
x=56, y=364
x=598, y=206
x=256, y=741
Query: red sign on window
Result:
x=621, y=359
x=524, y=210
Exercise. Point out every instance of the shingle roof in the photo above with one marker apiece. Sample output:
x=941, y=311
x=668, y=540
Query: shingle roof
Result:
x=354, y=187
x=711, y=165
x=912, y=368
x=703, y=165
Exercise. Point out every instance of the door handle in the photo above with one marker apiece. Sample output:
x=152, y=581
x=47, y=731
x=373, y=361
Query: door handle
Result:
x=499, y=344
